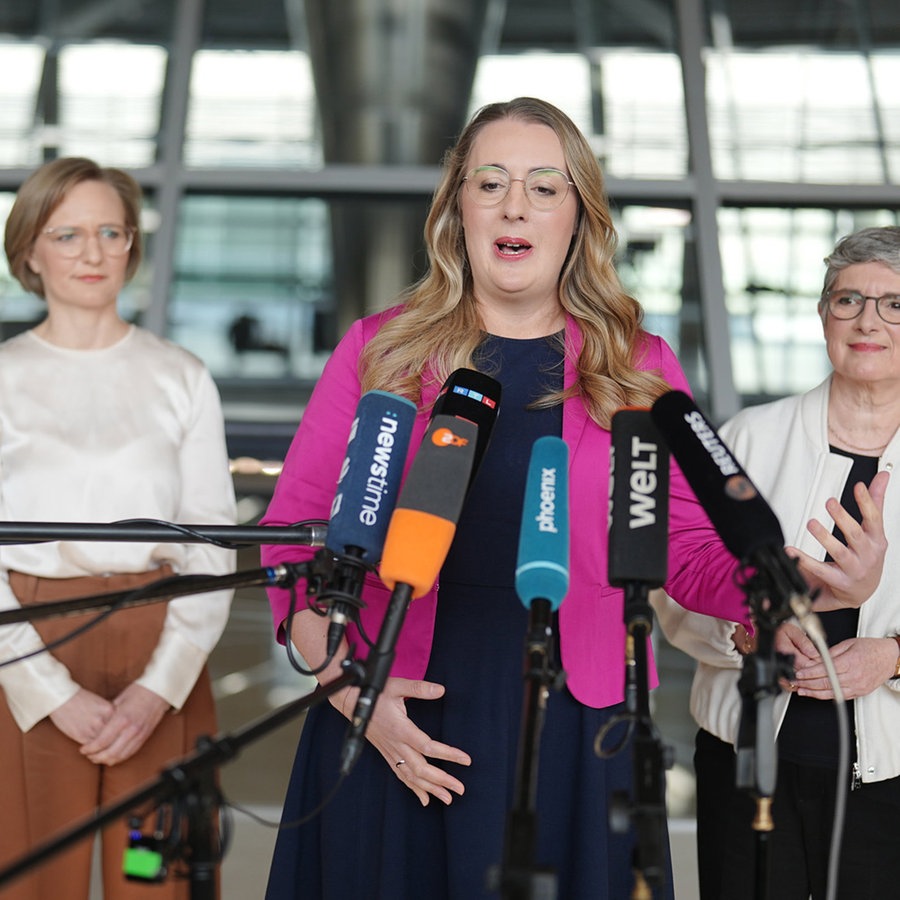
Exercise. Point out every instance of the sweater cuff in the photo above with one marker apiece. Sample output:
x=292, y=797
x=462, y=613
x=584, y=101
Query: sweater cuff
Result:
x=173, y=669
x=35, y=688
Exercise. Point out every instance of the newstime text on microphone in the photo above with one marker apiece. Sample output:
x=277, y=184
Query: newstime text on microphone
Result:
x=365, y=497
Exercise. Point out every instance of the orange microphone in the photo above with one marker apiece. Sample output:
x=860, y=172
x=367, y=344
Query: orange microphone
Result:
x=418, y=539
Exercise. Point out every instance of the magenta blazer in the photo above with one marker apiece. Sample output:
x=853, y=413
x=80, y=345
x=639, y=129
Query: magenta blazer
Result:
x=592, y=630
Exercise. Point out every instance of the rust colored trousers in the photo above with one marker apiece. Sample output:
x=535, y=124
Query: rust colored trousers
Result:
x=47, y=786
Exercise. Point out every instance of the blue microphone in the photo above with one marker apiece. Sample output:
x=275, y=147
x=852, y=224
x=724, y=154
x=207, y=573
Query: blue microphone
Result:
x=366, y=494
x=542, y=568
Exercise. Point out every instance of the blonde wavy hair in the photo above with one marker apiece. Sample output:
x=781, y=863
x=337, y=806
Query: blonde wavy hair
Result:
x=439, y=328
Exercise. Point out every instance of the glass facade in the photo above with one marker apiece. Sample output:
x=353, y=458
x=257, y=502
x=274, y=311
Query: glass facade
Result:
x=726, y=202
x=739, y=139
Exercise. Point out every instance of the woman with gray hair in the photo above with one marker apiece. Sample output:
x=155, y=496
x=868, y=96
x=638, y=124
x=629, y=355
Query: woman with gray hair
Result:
x=812, y=456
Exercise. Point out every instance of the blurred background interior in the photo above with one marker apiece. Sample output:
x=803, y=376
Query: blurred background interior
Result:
x=288, y=149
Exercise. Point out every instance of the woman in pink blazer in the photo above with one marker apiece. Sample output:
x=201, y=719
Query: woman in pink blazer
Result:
x=521, y=286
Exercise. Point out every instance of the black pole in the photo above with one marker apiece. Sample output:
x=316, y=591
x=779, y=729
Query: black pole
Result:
x=377, y=669
x=756, y=761
x=518, y=877
x=148, y=531
x=163, y=589
x=650, y=756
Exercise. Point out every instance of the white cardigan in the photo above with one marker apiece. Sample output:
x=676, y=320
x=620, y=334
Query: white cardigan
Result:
x=784, y=448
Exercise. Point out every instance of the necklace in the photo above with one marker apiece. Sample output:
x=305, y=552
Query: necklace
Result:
x=846, y=443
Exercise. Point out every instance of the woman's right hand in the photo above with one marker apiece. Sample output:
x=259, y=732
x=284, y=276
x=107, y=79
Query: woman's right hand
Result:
x=83, y=716
x=405, y=747
x=854, y=574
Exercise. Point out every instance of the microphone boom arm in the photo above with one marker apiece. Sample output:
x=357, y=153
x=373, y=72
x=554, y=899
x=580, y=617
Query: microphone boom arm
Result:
x=282, y=575
x=150, y=531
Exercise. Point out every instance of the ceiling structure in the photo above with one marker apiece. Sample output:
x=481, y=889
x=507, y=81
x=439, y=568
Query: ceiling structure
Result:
x=393, y=82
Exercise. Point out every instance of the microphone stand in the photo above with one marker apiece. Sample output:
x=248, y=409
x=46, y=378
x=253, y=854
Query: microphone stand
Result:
x=756, y=764
x=193, y=779
x=377, y=669
x=771, y=593
x=518, y=878
x=651, y=757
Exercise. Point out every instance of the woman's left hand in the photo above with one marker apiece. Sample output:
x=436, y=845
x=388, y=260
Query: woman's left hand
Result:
x=862, y=665
x=850, y=580
x=137, y=712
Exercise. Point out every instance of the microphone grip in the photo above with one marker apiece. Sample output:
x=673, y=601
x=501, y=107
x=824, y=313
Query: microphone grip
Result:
x=650, y=801
x=344, y=594
x=631, y=676
x=638, y=616
x=540, y=627
x=378, y=668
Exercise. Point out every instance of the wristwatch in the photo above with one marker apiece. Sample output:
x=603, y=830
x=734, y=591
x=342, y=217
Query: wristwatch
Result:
x=896, y=674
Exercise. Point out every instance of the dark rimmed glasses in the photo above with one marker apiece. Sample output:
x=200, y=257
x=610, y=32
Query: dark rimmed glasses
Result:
x=843, y=304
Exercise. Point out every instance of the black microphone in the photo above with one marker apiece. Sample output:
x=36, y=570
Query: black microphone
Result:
x=366, y=492
x=638, y=501
x=638, y=548
x=474, y=396
x=746, y=523
x=638, y=561
x=419, y=535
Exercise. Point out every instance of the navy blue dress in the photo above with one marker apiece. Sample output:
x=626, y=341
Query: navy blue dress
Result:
x=374, y=839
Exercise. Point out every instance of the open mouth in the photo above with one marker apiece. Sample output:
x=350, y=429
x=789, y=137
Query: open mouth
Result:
x=512, y=248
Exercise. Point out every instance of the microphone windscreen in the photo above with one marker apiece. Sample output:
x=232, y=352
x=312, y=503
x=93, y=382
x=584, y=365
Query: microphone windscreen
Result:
x=542, y=569
x=424, y=521
x=638, y=548
x=474, y=396
x=371, y=474
x=743, y=519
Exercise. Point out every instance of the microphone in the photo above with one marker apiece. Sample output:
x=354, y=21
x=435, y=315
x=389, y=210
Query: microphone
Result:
x=542, y=568
x=418, y=539
x=542, y=580
x=638, y=561
x=474, y=396
x=638, y=501
x=366, y=492
x=638, y=540
x=746, y=523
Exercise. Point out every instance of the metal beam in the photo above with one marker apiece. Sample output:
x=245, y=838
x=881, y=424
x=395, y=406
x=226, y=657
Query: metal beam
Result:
x=186, y=31
x=344, y=180
x=723, y=397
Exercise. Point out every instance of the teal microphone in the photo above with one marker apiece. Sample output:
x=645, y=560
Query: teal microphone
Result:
x=542, y=568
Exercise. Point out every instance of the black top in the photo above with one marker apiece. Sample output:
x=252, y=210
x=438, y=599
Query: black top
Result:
x=809, y=734
x=403, y=851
